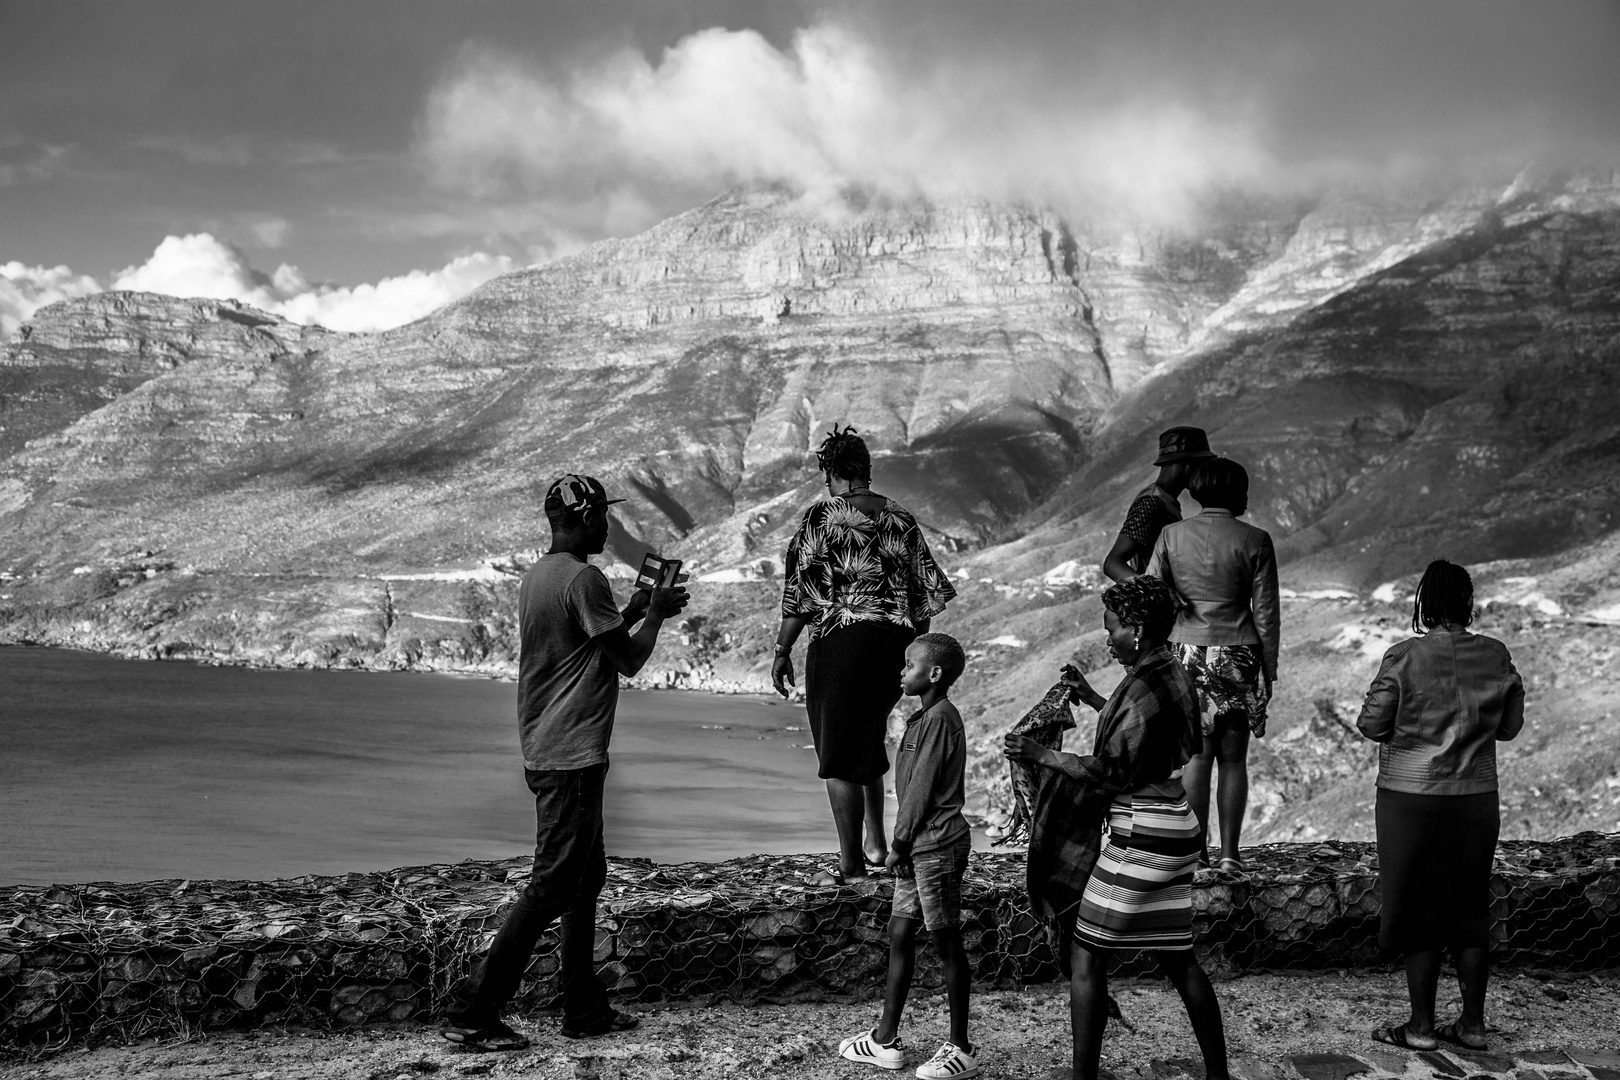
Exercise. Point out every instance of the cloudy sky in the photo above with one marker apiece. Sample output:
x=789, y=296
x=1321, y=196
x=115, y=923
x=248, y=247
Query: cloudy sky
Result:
x=359, y=162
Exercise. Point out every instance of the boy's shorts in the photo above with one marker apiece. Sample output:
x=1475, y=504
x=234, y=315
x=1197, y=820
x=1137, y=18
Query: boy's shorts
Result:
x=933, y=893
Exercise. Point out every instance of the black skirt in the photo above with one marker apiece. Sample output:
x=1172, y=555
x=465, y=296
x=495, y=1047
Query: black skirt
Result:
x=1434, y=868
x=851, y=684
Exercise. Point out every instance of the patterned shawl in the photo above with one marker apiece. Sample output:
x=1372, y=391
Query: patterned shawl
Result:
x=843, y=567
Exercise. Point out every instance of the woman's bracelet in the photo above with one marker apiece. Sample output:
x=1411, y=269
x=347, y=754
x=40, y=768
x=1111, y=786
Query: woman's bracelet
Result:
x=783, y=650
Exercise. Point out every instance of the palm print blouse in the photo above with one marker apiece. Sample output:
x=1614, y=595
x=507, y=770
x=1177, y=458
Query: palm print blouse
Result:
x=843, y=567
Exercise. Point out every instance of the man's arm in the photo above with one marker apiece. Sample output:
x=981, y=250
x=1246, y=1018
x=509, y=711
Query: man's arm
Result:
x=636, y=608
x=628, y=652
x=1119, y=564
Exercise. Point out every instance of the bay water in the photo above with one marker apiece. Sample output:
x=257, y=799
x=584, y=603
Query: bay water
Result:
x=126, y=770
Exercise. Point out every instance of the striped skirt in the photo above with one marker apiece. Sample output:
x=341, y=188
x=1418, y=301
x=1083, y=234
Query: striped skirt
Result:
x=1140, y=894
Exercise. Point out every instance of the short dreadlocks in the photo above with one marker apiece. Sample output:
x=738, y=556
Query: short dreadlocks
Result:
x=843, y=454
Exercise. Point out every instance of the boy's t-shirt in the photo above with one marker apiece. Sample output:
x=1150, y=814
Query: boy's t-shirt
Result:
x=568, y=691
x=929, y=779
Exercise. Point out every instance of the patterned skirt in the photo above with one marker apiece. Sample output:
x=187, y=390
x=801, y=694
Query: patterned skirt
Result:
x=1140, y=894
x=1231, y=684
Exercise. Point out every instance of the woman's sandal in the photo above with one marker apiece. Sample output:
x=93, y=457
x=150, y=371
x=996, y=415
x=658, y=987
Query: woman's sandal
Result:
x=1405, y=1039
x=1458, y=1035
x=1230, y=865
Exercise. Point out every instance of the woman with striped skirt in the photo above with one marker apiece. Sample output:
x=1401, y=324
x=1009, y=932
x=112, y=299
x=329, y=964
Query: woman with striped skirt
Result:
x=1139, y=895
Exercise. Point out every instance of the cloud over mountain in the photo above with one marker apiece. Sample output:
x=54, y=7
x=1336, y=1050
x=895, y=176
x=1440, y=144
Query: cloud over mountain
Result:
x=201, y=265
x=25, y=288
x=1101, y=110
x=832, y=109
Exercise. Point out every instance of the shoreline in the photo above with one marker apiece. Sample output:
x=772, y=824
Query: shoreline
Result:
x=665, y=679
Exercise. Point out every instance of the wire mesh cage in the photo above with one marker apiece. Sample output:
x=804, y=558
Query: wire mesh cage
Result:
x=84, y=962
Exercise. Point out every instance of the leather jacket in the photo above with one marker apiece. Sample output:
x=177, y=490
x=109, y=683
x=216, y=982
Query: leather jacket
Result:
x=1225, y=572
x=1438, y=707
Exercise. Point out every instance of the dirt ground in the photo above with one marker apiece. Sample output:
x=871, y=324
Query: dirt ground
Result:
x=1021, y=1033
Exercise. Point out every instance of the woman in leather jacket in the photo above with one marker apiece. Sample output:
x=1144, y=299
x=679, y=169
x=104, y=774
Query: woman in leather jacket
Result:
x=1439, y=705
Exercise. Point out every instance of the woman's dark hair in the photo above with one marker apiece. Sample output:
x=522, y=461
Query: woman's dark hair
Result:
x=1220, y=482
x=1144, y=602
x=843, y=454
x=1445, y=597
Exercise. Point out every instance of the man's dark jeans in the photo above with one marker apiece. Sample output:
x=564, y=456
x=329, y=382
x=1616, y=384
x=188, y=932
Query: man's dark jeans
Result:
x=570, y=868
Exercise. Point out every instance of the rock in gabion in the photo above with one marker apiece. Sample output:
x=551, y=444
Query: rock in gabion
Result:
x=80, y=962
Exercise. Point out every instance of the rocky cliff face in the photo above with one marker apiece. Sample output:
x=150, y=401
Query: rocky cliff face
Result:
x=1460, y=398
x=695, y=365
x=1406, y=375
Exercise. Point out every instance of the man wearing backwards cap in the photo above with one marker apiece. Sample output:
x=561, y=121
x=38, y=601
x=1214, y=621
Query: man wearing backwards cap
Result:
x=575, y=645
x=1158, y=504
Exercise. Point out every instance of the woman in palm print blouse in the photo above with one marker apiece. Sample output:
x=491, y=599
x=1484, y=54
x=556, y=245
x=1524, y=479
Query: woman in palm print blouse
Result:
x=859, y=574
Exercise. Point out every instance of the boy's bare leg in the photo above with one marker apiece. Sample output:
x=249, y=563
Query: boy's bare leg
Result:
x=1203, y=1008
x=958, y=981
x=877, y=844
x=1088, y=1007
x=902, y=959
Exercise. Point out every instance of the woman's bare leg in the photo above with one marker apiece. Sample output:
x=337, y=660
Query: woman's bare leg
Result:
x=1088, y=1008
x=848, y=808
x=1422, y=980
x=1232, y=785
x=1203, y=1008
x=1473, y=970
x=877, y=842
x=1195, y=781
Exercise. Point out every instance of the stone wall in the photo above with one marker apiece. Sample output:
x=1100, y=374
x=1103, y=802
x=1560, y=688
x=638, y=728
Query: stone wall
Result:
x=79, y=962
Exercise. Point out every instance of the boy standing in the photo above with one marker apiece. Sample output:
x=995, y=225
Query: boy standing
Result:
x=928, y=855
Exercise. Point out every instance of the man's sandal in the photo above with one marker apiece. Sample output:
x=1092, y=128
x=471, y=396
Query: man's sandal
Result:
x=1458, y=1035
x=490, y=1037
x=1400, y=1035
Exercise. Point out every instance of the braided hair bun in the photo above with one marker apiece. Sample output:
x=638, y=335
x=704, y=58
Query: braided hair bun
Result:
x=1144, y=602
x=1445, y=597
x=843, y=454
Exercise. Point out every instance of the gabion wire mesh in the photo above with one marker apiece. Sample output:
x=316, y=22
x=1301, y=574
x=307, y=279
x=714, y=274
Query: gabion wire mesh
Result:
x=82, y=962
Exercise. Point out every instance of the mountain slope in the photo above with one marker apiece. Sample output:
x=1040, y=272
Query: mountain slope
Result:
x=1406, y=375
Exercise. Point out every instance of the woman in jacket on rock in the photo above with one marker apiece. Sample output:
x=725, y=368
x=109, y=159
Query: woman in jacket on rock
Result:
x=859, y=575
x=1439, y=705
x=1226, y=635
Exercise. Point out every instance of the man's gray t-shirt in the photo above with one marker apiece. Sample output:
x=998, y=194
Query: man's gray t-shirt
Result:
x=568, y=691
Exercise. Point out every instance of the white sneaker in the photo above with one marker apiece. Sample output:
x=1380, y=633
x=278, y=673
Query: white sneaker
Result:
x=950, y=1062
x=865, y=1048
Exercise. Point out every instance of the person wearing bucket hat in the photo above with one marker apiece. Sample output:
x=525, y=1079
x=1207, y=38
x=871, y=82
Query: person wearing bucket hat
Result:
x=1158, y=504
x=575, y=643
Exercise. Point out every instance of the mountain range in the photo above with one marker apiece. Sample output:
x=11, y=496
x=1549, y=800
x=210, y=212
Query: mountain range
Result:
x=1406, y=373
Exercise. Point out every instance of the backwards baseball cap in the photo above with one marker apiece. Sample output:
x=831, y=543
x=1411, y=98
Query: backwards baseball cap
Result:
x=574, y=493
